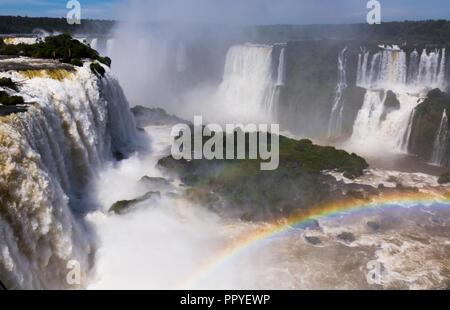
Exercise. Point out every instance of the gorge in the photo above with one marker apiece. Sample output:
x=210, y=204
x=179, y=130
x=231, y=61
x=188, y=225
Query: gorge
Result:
x=84, y=178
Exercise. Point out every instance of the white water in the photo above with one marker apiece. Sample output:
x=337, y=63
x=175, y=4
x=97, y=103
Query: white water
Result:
x=48, y=156
x=248, y=89
x=441, y=142
x=94, y=44
x=110, y=47
x=181, y=58
x=281, y=80
x=410, y=81
x=335, y=123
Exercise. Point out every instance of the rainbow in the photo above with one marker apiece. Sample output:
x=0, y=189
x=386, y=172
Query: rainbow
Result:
x=326, y=210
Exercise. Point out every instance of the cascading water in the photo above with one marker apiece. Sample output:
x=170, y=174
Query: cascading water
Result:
x=281, y=69
x=109, y=47
x=390, y=69
x=335, y=123
x=407, y=136
x=48, y=155
x=248, y=86
x=94, y=44
x=181, y=58
x=441, y=142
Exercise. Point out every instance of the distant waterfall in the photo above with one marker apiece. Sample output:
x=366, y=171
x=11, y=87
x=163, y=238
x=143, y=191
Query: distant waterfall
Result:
x=281, y=69
x=48, y=155
x=410, y=78
x=335, y=123
x=389, y=69
x=109, y=47
x=181, y=58
x=441, y=142
x=248, y=87
x=94, y=44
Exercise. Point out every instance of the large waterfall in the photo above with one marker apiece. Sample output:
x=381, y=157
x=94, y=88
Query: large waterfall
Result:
x=409, y=78
x=48, y=156
x=249, y=87
x=335, y=124
x=441, y=142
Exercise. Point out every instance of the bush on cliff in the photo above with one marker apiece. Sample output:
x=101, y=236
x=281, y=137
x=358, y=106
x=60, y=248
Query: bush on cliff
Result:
x=97, y=68
x=7, y=82
x=5, y=99
x=62, y=47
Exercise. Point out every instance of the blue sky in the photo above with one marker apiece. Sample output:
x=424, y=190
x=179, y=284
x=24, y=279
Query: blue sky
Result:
x=235, y=11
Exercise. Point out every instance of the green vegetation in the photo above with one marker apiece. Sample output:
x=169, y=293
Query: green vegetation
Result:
x=97, y=68
x=444, y=179
x=27, y=25
x=7, y=100
x=241, y=185
x=313, y=240
x=61, y=47
x=426, y=123
x=411, y=32
x=7, y=82
x=347, y=237
x=76, y=62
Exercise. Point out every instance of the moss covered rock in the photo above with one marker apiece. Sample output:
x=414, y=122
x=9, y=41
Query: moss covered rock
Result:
x=122, y=206
x=444, y=179
x=97, y=68
x=427, y=118
x=390, y=104
x=7, y=82
x=242, y=186
x=7, y=100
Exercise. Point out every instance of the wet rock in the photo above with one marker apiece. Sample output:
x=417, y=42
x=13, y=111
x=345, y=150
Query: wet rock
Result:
x=313, y=240
x=154, y=116
x=6, y=110
x=123, y=206
x=312, y=224
x=444, y=179
x=347, y=237
x=156, y=184
x=374, y=226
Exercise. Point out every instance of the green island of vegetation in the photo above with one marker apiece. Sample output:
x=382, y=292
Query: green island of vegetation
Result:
x=241, y=186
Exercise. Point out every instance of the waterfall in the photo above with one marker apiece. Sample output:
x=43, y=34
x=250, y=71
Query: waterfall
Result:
x=281, y=69
x=441, y=142
x=94, y=44
x=109, y=47
x=405, y=142
x=335, y=123
x=248, y=87
x=181, y=58
x=441, y=76
x=48, y=155
x=409, y=79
